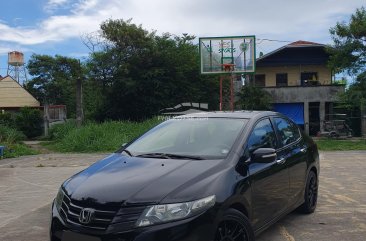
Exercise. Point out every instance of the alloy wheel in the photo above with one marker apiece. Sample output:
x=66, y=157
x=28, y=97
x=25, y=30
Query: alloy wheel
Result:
x=231, y=230
x=313, y=192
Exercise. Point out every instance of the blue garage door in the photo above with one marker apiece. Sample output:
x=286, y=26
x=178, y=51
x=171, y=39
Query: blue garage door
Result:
x=294, y=111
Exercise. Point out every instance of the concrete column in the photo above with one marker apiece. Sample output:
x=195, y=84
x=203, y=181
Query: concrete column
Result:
x=306, y=117
x=322, y=115
x=331, y=106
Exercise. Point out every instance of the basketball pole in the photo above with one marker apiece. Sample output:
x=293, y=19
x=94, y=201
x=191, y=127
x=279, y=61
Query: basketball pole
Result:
x=221, y=79
x=231, y=79
x=232, y=92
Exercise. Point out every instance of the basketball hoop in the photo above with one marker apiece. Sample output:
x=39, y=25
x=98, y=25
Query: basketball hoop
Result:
x=222, y=55
x=228, y=67
x=227, y=56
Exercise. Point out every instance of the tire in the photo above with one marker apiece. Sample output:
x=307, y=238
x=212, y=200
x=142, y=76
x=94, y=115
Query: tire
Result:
x=234, y=226
x=311, y=194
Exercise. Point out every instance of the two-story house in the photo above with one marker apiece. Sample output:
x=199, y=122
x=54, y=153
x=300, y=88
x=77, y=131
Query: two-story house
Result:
x=301, y=84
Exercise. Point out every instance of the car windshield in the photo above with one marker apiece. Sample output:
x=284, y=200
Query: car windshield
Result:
x=193, y=138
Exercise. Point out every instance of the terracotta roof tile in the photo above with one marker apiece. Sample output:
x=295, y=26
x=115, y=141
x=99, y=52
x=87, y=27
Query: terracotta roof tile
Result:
x=302, y=42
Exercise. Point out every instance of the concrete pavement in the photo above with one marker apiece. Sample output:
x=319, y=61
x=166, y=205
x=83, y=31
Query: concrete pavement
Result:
x=28, y=185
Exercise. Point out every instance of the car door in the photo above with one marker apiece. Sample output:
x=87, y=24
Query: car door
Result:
x=269, y=181
x=293, y=152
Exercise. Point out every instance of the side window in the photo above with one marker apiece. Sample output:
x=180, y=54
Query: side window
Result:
x=262, y=136
x=287, y=130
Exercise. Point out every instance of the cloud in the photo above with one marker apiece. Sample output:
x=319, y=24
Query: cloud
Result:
x=281, y=19
x=53, y=5
x=5, y=50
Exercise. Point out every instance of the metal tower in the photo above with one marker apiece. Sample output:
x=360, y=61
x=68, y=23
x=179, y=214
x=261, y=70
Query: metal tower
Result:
x=16, y=67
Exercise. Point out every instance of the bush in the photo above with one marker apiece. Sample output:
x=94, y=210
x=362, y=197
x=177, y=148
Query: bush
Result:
x=10, y=135
x=94, y=137
x=29, y=121
x=7, y=119
x=253, y=98
x=59, y=131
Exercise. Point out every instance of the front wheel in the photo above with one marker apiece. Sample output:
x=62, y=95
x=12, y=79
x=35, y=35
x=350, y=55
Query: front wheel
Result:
x=234, y=226
x=311, y=194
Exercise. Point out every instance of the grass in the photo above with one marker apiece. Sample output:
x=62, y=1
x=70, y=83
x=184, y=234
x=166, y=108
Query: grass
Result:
x=340, y=145
x=95, y=137
x=17, y=150
x=10, y=135
x=109, y=136
x=10, y=138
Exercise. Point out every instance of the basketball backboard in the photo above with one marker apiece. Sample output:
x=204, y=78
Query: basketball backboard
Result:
x=227, y=54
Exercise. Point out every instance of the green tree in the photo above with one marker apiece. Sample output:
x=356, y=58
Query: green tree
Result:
x=355, y=96
x=253, y=98
x=53, y=80
x=132, y=75
x=348, y=52
x=141, y=73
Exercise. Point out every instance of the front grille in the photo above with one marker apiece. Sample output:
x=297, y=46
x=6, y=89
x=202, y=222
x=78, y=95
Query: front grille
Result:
x=116, y=218
x=70, y=213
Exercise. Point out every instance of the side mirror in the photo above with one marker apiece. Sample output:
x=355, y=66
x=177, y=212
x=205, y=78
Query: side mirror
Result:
x=264, y=155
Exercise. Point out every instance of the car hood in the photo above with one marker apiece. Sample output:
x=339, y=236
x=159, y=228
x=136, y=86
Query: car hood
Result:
x=121, y=179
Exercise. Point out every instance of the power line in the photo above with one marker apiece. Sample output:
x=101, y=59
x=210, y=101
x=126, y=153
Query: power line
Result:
x=274, y=40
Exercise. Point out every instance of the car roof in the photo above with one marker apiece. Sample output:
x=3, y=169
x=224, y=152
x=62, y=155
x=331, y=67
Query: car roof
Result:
x=243, y=114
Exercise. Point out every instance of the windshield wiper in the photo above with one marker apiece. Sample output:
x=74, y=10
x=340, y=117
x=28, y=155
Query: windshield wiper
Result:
x=169, y=156
x=127, y=151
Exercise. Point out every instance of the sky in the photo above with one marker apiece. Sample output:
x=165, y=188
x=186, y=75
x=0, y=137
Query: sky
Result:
x=55, y=26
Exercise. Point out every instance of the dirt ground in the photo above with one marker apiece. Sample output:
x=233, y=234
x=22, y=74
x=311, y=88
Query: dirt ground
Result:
x=28, y=185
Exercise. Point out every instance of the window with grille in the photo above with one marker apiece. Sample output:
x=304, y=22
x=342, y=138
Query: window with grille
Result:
x=281, y=80
x=260, y=80
x=309, y=78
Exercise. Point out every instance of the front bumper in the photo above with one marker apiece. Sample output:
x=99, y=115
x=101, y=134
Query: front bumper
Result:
x=198, y=228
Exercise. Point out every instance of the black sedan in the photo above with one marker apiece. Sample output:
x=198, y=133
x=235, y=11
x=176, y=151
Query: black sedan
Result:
x=209, y=176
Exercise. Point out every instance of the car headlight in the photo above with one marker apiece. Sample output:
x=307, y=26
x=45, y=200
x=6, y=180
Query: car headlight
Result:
x=170, y=212
x=59, y=198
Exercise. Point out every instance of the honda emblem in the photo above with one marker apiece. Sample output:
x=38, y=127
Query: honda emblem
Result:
x=86, y=215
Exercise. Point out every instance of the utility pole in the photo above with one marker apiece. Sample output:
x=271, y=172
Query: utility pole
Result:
x=46, y=118
x=363, y=118
x=79, y=98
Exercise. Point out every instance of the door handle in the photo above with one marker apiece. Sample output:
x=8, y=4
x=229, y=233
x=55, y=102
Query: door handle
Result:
x=303, y=150
x=281, y=160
